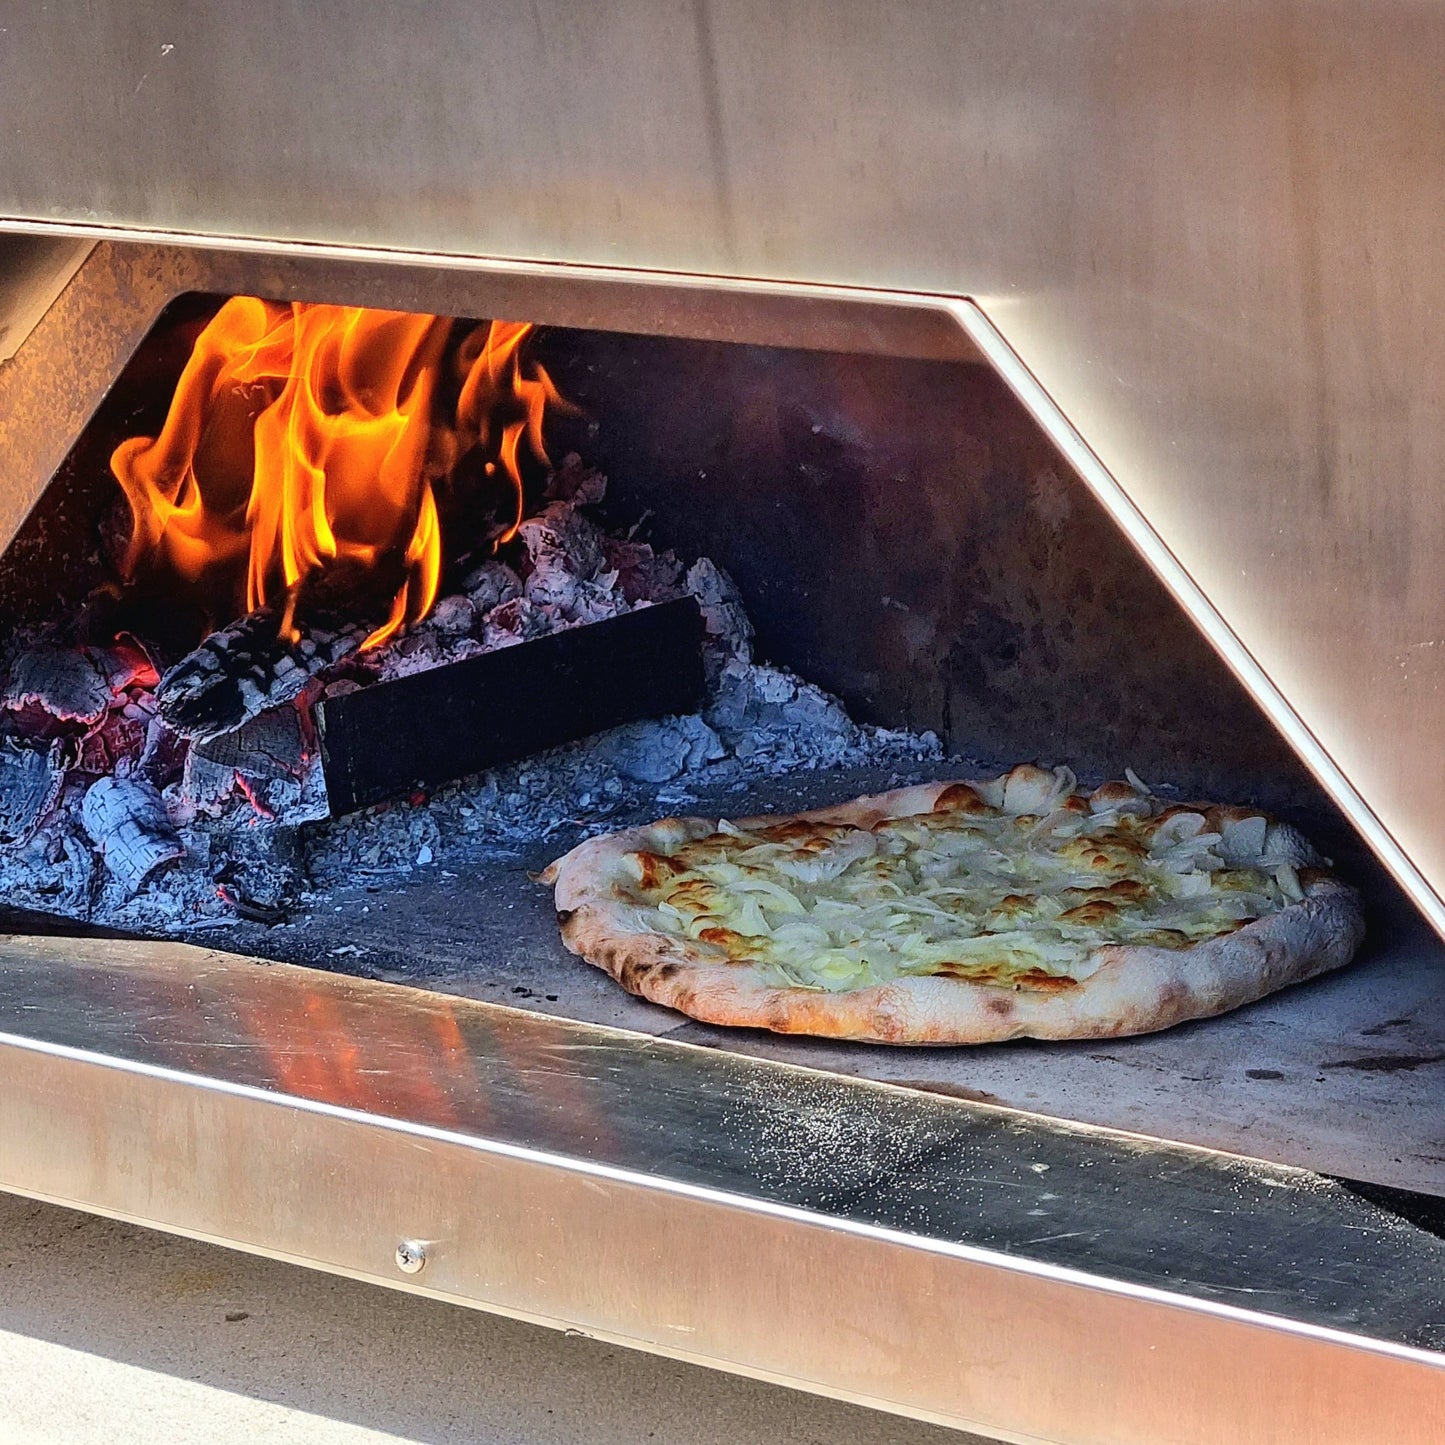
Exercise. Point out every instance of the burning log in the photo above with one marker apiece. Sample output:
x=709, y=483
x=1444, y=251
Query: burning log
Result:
x=429, y=728
x=127, y=822
x=274, y=746
x=72, y=685
x=128, y=735
x=245, y=669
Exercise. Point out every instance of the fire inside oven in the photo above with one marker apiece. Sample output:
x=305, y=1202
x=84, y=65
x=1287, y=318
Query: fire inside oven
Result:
x=337, y=624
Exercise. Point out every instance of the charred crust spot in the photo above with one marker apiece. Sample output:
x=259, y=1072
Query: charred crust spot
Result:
x=633, y=973
x=1114, y=852
x=1041, y=981
x=565, y=916
x=1176, y=810
x=721, y=938
x=960, y=798
x=693, y=893
x=1128, y=890
x=794, y=830
x=1030, y=773
x=1010, y=904
x=1096, y=911
x=999, y=977
x=1110, y=794
x=654, y=869
x=1216, y=815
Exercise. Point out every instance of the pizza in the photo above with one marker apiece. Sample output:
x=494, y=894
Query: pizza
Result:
x=961, y=913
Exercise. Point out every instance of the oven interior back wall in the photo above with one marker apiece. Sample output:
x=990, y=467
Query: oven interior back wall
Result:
x=906, y=537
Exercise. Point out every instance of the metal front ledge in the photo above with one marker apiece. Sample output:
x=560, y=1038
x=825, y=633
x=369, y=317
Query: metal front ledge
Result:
x=961, y=1264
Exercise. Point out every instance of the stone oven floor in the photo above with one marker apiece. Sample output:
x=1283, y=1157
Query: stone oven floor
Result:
x=1344, y=1075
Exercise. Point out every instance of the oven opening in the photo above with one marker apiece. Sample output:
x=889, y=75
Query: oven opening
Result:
x=338, y=624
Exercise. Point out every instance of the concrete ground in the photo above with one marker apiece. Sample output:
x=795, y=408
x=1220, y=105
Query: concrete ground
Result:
x=111, y=1334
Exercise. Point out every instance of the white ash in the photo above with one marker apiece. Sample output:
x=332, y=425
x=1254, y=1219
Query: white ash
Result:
x=569, y=572
x=659, y=751
x=486, y=587
x=30, y=783
x=723, y=613
x=118, y=814
x=766, y=715
x=769, y=724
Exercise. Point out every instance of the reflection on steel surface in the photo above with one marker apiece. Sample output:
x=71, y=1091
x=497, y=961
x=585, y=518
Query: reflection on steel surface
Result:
x=917, y=1252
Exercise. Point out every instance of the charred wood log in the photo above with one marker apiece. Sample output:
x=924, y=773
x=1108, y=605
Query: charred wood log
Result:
x=270, y=745
x=72, y=685
x=127, y=822
x=275, y=746
x=30, y=785
x=420, y=731
x=246, y=668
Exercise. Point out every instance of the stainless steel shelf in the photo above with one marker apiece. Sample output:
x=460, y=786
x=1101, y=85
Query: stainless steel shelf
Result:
x=961, y=1263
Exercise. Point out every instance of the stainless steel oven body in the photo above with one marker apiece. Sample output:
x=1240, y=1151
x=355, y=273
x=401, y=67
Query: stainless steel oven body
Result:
x=1202, y=244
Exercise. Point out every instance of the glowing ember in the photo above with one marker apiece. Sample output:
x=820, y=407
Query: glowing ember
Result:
x=306, y=437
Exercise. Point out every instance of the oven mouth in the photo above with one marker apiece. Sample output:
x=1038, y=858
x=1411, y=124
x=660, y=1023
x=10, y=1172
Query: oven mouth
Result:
x=896, y=561
x=933, y=587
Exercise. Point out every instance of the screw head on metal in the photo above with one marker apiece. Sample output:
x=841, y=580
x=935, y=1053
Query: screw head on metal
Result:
x=411, y=1256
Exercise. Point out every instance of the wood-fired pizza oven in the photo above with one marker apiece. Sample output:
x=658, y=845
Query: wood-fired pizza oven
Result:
x=956, y=406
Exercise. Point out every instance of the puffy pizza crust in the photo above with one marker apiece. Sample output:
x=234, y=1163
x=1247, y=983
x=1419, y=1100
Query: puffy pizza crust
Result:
x=1133, y=990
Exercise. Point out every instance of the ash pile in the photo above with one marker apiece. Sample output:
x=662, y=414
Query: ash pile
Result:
x=165, y=798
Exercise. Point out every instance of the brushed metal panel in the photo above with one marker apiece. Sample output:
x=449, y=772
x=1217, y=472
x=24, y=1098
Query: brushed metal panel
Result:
x=1211, y=231
x=851, y=1239
x=34, y=270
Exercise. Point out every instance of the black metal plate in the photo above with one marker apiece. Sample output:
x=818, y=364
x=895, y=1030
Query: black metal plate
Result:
x=424, y=730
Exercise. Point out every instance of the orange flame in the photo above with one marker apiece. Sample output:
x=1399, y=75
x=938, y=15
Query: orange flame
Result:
x=303, y=436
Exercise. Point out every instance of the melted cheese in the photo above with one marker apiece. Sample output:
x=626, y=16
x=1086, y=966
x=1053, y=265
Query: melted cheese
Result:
x=1016, y=900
